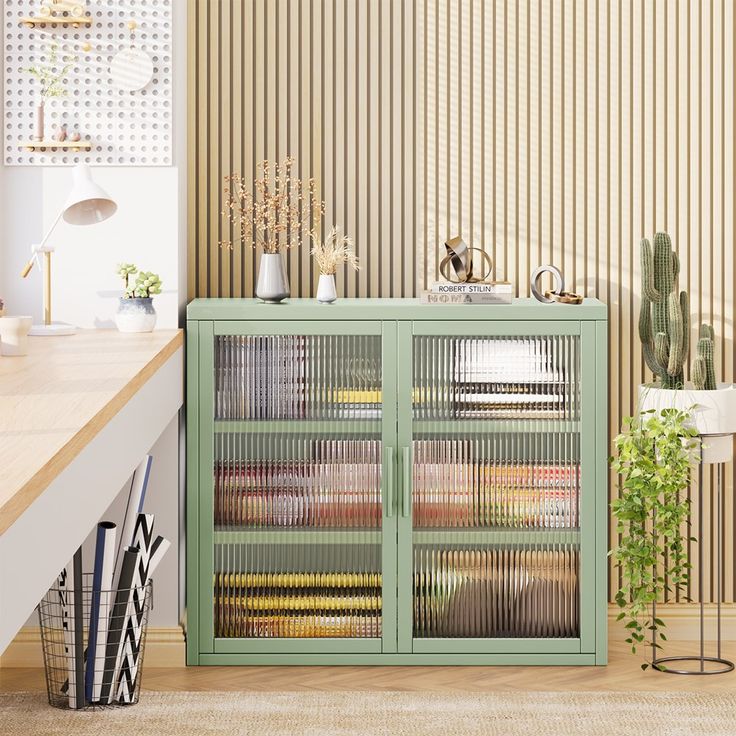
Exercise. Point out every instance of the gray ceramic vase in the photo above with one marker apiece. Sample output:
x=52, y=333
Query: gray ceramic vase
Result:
x=136, y=314
x=273, y=283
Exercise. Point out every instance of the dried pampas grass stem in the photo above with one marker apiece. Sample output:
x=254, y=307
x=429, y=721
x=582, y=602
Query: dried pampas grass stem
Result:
x=334, y=251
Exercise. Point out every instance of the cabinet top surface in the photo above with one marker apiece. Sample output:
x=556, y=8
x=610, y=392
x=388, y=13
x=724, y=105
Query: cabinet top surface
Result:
x=396, y=309
x=55, y=400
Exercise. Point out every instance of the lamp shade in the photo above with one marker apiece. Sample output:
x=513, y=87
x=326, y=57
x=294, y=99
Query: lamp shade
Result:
x=87, y=202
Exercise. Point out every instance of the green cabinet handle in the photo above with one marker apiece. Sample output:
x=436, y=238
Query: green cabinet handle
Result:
x=388, y=480
x=406, y=489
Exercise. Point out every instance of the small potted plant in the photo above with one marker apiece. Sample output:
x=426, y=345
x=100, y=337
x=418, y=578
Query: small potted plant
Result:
x=51, y=75
x=334, y=251
x=654, y=455
x=135, y=310
x=274, y=214
x=664, y=331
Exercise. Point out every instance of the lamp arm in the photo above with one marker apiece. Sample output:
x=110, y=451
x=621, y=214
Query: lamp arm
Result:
x=51, y=229
x=27, y=268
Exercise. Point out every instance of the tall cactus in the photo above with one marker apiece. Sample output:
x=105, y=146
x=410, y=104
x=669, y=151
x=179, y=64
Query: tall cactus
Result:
x=703, y=371
x=663, y=320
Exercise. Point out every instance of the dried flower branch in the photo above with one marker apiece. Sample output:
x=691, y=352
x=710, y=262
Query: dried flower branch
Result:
x=335, y=250
x=282, y=210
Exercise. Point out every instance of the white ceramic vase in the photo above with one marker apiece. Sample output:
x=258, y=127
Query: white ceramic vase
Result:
x=326, y=291
x=273, y=283
x=136, y=315
x=39, y=122
x=714, y=414
x=14, y=335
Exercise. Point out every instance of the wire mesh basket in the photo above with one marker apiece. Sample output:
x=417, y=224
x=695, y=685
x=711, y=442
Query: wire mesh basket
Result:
x=93, y=644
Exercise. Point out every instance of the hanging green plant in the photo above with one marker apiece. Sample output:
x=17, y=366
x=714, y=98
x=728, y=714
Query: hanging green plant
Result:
x=655, y=452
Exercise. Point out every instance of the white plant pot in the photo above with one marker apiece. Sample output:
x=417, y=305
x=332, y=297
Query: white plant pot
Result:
x=326, y=291
x=273, y=284
x=714, y=414
x=136, y=315
x=14, y=335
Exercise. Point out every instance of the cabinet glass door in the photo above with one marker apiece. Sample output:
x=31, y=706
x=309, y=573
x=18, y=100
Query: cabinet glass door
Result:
x=300, y=458
x=491, y=496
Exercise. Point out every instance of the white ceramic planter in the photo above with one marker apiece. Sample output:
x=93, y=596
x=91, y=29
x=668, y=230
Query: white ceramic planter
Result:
x=14, y=335
x=136, y=315
x=273, y=284
x=714, y=414
x=326, y=291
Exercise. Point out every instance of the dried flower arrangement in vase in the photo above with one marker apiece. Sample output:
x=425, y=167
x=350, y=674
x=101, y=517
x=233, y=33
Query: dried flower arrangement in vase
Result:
x=335, y=250
x=274, y=215
x=51, y=74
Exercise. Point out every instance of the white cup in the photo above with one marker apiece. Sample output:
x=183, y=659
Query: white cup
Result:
x=14, y=335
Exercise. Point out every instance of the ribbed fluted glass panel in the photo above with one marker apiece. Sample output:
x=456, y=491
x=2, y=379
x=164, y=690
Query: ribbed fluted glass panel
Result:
x=297, y=486
x=489, y=591
x=513, y=479
x=496, y=486
x=298, y=377
x=496, y=378
x=275, y=589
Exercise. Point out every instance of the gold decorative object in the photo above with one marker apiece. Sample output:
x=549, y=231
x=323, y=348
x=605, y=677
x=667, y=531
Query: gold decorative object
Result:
x=459, y=262
x=555, y=273
x=564, y=297
x=558, y=294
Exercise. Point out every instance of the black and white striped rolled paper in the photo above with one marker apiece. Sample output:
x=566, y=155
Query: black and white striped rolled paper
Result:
x=152, y=551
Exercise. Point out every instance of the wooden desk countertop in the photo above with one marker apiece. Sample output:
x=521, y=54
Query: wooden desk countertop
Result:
x=57, y=398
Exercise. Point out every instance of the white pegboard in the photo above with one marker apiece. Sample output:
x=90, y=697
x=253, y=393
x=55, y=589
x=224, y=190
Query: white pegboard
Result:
x=124, y=128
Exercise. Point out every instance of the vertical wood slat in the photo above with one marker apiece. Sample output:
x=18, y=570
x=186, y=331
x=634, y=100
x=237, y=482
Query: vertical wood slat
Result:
x=553, y=130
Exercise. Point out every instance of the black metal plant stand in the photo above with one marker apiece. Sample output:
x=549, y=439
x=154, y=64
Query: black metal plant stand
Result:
x=705, y=665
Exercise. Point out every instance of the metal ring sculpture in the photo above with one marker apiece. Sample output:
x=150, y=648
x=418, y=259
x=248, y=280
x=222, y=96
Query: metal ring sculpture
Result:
x=459, y=262
x=559, y=283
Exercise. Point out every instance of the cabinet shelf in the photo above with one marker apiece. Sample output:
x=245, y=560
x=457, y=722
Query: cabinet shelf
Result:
x=494, y=426
x=298, y=426
x=298, y=536
x=499, y=537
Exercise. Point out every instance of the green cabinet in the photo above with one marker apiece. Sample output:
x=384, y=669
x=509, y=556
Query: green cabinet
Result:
x=382, y=482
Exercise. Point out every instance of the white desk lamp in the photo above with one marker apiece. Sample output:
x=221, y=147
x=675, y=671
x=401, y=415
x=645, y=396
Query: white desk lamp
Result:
x=86, y=204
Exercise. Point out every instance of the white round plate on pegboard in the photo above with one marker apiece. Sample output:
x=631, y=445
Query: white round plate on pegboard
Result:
x=131, y=69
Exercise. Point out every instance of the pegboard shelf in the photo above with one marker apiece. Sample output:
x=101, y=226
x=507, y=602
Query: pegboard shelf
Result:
x=31, y=146
x=33, y=21
x=128, y=125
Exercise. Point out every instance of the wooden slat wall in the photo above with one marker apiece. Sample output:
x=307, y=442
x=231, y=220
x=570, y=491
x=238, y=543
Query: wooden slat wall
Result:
x=543, y=132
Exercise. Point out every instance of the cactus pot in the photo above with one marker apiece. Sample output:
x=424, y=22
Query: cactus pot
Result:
x=714, y=414
x=136, y=315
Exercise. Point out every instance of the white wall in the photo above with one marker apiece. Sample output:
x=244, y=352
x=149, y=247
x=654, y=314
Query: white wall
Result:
x=85, y=288
x=148, y=229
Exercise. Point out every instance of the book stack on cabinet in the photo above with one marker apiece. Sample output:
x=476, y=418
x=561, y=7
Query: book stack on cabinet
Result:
x=447, y=292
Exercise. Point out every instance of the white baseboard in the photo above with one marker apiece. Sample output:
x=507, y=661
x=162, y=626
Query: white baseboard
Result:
x=683, y=621
x=165, y=647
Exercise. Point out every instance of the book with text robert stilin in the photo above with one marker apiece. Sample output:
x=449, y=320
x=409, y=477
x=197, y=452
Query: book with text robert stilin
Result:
x=477, y=287
x=430, y=297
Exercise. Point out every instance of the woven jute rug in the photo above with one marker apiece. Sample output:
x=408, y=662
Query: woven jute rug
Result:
x=382, y=714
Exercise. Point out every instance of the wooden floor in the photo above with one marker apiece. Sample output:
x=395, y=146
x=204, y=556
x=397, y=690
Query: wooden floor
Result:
x=623, y=673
